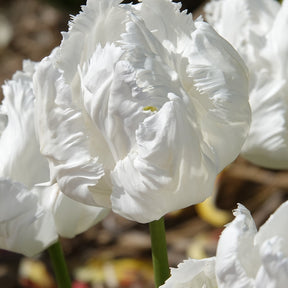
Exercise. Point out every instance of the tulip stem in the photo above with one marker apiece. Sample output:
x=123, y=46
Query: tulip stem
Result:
x=59, y=266
x=159, y=252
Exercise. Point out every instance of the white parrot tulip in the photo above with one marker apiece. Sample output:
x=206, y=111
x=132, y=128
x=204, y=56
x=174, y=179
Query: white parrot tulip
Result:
x=140, y=108
x=33, y=212
x=245, y=257
x=255, y=28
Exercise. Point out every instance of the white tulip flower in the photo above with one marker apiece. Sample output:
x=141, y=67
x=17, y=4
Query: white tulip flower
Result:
x=193, y=273
x=247, y=258
x=33, y=212
x=140, y=108
x=255, y=28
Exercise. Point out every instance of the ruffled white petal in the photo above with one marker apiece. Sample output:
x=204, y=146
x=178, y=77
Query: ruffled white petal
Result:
x=242, y=23
x=62, y=135
x=170, y=26
x=274, y=226
x=273, y=272
x=100, y=22
x=71, y=217
x=271, y=242
x=19, y=147
x=268, y=138
x=220, y=77
x=193, y=273
x=26, y=227
x=106, y=92
x=237, y=259
x=160, y=169
x=276, y=44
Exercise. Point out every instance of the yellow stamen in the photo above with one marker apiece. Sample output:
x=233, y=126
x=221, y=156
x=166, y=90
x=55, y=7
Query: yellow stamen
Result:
x=150, y=108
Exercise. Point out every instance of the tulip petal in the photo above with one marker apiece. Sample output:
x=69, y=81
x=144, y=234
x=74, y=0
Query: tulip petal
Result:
x=274, y=226
x=237, y=259
x=154, y=183
x=271, y=242
x=268, y=140
x=220, y=77
x=273, y=272
x=254, y=18
x=193, y=273
x=18, y=143
x=62, y=135
x=106, y=100
x=276, y=44
x=99, y=22
x=71, y=217
x=170, y=26
x=25, y=226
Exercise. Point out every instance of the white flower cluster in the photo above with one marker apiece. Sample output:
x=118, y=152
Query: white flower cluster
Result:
x=137, y=111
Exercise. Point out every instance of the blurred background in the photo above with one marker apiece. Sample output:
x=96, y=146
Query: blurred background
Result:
x=116, y=252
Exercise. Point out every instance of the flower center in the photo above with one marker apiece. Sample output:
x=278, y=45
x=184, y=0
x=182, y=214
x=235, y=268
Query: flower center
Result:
x=150, y=108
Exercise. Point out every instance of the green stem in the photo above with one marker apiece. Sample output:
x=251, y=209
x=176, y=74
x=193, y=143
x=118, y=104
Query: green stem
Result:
x=159, y=252
x=59, y=265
